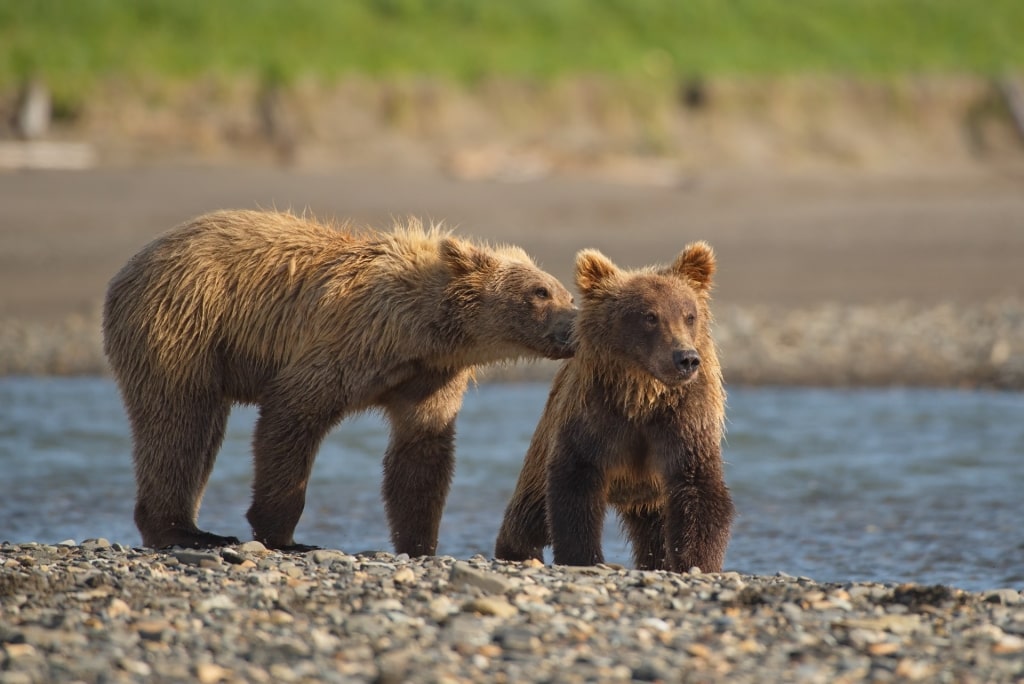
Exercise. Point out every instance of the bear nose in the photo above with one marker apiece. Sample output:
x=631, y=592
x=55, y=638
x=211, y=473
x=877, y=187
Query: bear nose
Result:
x=686, y=361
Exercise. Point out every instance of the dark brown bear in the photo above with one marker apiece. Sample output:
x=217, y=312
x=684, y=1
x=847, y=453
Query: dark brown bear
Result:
x=634, y=420
x=312, y=323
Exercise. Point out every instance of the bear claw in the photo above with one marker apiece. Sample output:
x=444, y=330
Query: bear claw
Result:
x=194, y=540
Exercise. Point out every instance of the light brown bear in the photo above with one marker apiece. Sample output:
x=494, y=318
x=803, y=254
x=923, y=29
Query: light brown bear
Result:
x=312, y=323
x=634, y=420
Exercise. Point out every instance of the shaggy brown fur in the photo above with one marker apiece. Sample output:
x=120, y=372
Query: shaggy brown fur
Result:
x=634, y=420
x=312, y=323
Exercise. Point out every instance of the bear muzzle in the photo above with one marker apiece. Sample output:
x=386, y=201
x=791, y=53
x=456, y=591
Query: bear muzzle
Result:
x=686, y=363
x=563, y=343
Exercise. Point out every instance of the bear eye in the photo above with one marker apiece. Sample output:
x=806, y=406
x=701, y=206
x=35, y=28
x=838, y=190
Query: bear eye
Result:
x=691, y=319
x=542, y=293
x=651, y=318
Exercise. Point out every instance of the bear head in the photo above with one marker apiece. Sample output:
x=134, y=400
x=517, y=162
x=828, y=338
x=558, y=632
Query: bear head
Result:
x=517, y=307
x=655, y=320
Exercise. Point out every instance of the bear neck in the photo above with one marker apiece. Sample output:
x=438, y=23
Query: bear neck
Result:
x=628, y=390
x=476, y=338
x=637, y=395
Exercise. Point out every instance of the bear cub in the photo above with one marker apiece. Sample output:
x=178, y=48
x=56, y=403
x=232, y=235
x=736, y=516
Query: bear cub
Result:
x=634, y=420
x=313, y=323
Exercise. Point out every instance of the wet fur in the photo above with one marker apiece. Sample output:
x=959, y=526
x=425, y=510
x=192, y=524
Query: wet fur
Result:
x=619, y=429
x=312, y=322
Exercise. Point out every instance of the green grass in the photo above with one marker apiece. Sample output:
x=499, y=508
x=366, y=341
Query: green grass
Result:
x=74, y=43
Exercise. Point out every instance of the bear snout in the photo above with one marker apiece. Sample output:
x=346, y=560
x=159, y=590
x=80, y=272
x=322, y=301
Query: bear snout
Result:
x=561, y=336
x=565, y=342
x=686, y=361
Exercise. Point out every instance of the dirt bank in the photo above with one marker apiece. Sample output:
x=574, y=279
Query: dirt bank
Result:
x=650, y=128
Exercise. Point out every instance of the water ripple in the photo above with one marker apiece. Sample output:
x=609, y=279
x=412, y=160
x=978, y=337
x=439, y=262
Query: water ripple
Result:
x=894, y=485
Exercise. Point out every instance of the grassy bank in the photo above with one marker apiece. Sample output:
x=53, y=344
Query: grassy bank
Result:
x=73, y=44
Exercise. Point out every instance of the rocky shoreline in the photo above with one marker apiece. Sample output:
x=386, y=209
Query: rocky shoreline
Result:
x=832, y=345
x=105, y=612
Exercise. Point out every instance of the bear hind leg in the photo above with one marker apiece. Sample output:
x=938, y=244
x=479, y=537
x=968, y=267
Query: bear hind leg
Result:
x=175, y=448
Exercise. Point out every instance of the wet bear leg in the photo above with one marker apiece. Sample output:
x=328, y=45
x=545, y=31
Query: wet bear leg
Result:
x=575, y=498
x=646, y=532
x=175, y=444
x=698, y=519
x=420, y=459
x=524, y=530
x=288, y=435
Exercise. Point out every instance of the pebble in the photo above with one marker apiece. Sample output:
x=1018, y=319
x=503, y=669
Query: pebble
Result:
x=463, y=574
x=210, y=673
x=489, y=605
x=98, y=613
x=1010, y=597
x=193, y=557
x=252, y=547
x=404, y=576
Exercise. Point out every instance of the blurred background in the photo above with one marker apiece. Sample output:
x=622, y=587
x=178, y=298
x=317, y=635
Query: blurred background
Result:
x=858, y=166
x=483, y=90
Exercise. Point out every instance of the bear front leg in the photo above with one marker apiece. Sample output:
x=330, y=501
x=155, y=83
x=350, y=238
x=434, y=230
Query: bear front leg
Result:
x=420, y=459
x=698, y=518
x=646, y=532
x=418, y=469
x=524, y=529
x=575, y=499
x=288, y=435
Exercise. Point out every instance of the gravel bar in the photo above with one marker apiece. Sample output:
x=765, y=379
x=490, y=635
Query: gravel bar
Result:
x=102, y=612
x=829, y=345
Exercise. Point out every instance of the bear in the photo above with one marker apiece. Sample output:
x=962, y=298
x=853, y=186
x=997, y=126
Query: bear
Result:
x=634, y=420
x=312, y=322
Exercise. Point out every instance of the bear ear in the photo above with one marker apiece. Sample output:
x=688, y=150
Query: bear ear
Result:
x=593, y=269
x=696, y=263
x=462, y=257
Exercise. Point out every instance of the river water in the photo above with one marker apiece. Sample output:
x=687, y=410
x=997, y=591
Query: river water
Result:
x=838, y=485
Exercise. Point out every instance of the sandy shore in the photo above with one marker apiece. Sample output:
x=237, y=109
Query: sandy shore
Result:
x=101, y=612
x=787, y=241
x=834, y=279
